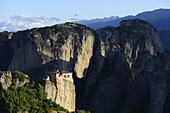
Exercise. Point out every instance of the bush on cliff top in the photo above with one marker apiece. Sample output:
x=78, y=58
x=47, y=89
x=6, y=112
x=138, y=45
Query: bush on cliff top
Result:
x=21, y=76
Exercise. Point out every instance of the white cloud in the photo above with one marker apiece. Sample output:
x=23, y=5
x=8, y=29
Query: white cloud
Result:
x=21, y=22
x=11, y=26
x=3, y=27
x=27, y=18
x=40, y=19
x=8, y=25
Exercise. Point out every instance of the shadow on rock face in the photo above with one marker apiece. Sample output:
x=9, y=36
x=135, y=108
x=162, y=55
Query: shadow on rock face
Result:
x=37, y=74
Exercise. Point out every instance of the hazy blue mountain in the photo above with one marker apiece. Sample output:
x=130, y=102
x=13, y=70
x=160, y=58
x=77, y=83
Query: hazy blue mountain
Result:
x=114, y=23
x=97, y=20
x=159, y=18
x=165, y=38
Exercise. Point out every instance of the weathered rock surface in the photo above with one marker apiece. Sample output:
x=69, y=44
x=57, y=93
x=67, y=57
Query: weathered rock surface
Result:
x=150, y=86
x=68, y=46
x=124, y=71
x=158, y=92
x=6, y=80
x=111, y=85
x=5, y=50
x=118, y=47
x=133, y=36
x=62, y=92
x=22, y=83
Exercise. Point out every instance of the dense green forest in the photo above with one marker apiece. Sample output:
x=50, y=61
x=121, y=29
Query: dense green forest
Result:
x=30, y=97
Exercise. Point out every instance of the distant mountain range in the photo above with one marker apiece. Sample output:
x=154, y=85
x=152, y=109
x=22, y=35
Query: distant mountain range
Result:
x=92, y=21
x=159, y=18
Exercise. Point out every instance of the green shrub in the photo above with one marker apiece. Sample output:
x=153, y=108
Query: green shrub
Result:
x=29, y=98
x=21, y=76
x=82, y=111
x=6, y=74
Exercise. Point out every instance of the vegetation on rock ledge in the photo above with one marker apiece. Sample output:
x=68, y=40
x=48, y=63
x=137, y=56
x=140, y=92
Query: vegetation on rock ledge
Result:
x=21, y=76
x=29, y=98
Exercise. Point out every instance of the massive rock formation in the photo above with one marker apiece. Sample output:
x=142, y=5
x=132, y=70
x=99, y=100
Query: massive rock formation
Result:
x=105, y=90
x=61, y=90
x=150, y=86
x=133, y=36
x=124, y=71
x=37, y=51
x=109, y=73
x=67, y=47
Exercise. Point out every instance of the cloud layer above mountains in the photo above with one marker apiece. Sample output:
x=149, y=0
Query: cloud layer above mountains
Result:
x=21, y=22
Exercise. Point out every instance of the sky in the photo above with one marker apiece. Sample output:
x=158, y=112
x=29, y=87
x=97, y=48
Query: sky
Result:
x=25, y=14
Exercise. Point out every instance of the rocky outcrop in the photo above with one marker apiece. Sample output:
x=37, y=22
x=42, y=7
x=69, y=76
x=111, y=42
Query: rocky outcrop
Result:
x=61, y=91
x=133, y=36
x=67, y=47
x=7, y=79
x=124, y=71
x=20, y=83
x=150, y=86
x=108, y=89
x=115, y=62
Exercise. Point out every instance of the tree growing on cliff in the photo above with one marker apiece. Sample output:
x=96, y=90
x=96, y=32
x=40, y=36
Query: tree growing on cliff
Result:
x=30, y=98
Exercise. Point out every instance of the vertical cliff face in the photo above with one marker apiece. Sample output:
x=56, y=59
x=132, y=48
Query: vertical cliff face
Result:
x=105, y=91
x=159, y=85
x=84, y=55
x=62, y=91
x=37, y=51
x=67, y=47
x=158, y=92
x=150, y=86
x=66, y=94
x=25, y=58
x=133, y=36
x=124, y=71
x=114, y=67
x=5, y=50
